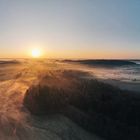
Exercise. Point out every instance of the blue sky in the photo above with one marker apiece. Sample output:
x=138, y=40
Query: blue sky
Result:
x=70, y=28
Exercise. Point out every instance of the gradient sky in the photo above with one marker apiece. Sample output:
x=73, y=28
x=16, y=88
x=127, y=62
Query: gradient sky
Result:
x=70, y=28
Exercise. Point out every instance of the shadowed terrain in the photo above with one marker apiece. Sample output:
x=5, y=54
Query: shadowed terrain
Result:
x=100, y=108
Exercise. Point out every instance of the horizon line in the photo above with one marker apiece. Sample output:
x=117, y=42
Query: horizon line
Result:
x=73, y=58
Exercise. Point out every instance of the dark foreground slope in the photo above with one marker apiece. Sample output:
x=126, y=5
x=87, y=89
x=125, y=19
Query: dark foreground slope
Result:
x=97, y=107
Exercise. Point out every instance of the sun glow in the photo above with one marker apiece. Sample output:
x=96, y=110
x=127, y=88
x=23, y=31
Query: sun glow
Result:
x=36, y=53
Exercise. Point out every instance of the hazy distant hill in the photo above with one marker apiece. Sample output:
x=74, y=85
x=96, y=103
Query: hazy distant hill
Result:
x=103, y=62
x=9, y=62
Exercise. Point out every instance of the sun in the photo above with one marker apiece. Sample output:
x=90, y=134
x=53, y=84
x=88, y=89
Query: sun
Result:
x=36, y=53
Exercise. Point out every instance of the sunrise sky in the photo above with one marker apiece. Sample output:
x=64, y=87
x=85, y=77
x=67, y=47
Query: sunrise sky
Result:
x=70, y=28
